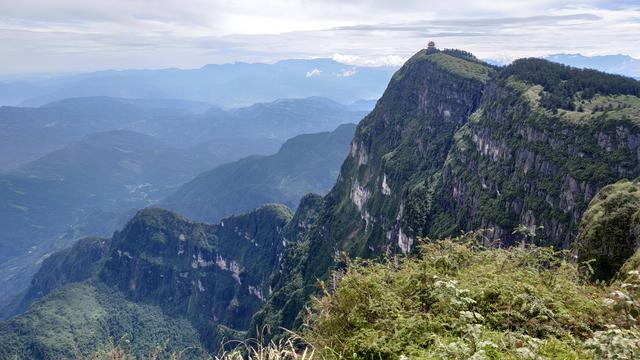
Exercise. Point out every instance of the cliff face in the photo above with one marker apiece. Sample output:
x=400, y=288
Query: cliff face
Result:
x=516, y=162
x=167, y=277
x=456, y=145
x=397, y=149
x=386, y=184
x=215, y=275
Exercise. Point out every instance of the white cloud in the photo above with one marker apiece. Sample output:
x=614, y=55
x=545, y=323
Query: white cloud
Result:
x=314, y=72
x=347, y=72
x=374, y=60
x=79, y=35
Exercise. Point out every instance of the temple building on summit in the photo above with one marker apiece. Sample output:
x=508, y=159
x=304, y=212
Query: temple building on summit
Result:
x=431, y=47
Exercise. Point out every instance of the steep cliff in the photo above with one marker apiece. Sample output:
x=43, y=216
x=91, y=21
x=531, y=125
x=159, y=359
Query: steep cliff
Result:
x=525, y=159
x=203, y=282
x=215, y=275
x=386, y=184
x=456, y=145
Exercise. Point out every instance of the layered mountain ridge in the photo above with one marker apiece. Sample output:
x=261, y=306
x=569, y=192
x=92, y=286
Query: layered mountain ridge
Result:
x=305, y=163
x=82, y=166
x=453, y=145
x=456, y=145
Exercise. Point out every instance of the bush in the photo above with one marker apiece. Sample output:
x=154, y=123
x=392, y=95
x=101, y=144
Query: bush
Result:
x=460, y=300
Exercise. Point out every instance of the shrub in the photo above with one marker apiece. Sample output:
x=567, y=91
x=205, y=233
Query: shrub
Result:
x=460, y=300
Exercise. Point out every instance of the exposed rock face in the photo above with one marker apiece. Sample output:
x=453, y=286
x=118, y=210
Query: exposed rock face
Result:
x=385, y=185
x=404, y=141
x=517, y=163
x=212, y=274
x=455, y=145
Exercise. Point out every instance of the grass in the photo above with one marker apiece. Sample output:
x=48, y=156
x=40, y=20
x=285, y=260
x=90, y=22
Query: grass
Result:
x=611, y=107
x=455, y=65
x=291, y=348
x=460, y=67
x=593, y=111
x=459, y=299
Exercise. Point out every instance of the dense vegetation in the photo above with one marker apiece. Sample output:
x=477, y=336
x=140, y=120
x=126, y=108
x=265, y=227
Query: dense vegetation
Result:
x=564, y=84
x=610, y=230
x=457, y=145
x=79, y=318
x=458, y=300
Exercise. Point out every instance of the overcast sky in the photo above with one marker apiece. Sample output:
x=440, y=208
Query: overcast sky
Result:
x=44, y=36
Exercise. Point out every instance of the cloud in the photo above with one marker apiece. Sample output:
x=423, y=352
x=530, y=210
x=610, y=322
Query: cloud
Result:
x=314, y=72
x=79, y=35
x=429, y=26
x=347, y=73
x=373, y=60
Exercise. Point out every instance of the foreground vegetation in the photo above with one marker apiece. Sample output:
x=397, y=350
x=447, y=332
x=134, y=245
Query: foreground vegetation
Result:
x=460, y=300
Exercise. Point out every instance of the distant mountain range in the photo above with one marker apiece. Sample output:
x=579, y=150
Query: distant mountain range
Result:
x=229, y=85
x=80, y=166
x=29, y=133
x=305, y=163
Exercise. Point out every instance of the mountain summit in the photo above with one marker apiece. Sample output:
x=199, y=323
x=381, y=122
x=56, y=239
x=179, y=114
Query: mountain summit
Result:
x=455, y=145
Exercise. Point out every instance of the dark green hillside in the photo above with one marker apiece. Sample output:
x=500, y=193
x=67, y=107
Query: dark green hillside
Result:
x=516, y=162
x=305, y=164
x=76, y=320
x=401, y=144
x=457, y=145
x=610, y=228
x=162, y=281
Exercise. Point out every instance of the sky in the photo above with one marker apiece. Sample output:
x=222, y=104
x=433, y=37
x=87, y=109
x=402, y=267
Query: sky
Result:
x=57, y=36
